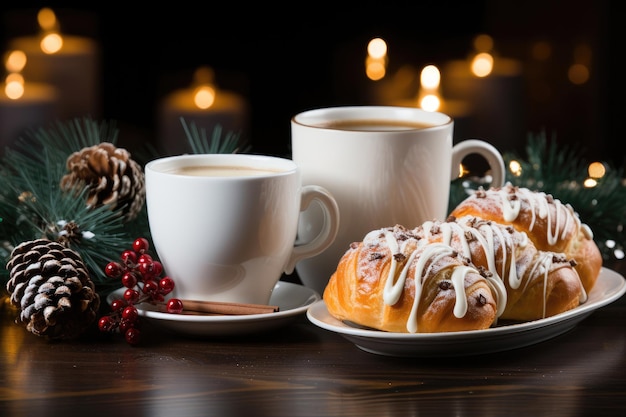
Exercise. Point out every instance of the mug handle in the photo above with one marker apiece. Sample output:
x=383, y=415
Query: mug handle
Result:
x=328, y=232
x=487, y=150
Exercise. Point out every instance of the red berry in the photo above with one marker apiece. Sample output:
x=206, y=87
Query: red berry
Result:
x=141, y=245
x=131, y=295
x=166, y=285
x=117, y=305
x=106, y=324
x=129, y=256
x=113, y=269
x=144, y=258
x=145, y=269
x=157, y=268
x=130, y=313
x=150, y=287
x=174, y=306
x=133, y=336
x=129, y=279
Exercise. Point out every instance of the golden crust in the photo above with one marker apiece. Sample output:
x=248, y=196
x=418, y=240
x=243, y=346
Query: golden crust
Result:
x=523, y=256
x=356, y=291
x=537, y=283
x=549, y=224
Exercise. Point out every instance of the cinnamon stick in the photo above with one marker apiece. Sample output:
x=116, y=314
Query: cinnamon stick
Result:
x=225, y=308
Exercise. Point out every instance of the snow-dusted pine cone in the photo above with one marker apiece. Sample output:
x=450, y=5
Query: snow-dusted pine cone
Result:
x=51, y=286
x=112, y=176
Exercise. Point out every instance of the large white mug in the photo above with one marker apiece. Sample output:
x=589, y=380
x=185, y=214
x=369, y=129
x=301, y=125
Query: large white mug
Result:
x=384, y=165
x=224, y=225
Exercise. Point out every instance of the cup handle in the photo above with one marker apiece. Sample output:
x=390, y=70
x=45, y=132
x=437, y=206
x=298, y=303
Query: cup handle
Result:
x=328, y=232
x=488, y=151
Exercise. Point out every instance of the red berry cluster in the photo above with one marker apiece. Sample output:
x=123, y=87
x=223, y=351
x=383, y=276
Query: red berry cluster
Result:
x=141, y=275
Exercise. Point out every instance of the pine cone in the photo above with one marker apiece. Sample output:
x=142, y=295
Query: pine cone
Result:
x=51, y=286
x=112, y=176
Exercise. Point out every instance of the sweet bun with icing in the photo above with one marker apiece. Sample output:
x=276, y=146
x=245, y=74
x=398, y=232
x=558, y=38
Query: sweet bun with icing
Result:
x=389, y=282
x=549, y=224
x=461, y=274
x=536, y=283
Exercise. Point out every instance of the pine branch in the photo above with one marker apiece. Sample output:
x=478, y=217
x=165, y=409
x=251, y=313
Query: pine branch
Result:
x=200, y=144
x=63, y=138
x=33, y=204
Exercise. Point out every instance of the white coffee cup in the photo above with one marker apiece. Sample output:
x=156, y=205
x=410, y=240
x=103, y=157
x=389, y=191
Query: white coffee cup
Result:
x=384, y=165
x=224, y=225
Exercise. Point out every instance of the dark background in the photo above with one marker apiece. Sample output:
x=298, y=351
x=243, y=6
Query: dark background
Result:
x=288, y=58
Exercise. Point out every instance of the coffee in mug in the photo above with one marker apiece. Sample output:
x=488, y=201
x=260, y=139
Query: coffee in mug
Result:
x=384, y=165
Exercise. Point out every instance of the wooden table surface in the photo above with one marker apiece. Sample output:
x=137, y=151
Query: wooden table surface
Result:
x=302, y=370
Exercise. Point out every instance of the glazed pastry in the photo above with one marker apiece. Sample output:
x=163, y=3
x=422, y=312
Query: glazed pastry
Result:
x=390, y=282
x=462, y=274
x=550, y=224
x=538, y=283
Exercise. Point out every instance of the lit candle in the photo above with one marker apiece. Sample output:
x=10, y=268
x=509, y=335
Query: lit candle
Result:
x=493, y=88
x=23, y=105
x=69, y=63
x=204, y=105
x=430, y=98
x=376, y=60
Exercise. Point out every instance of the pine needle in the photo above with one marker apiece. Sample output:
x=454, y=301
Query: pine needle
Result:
x=200, y=144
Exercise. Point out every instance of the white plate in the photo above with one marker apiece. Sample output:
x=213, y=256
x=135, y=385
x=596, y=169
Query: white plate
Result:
x=609, y=287
x=292, y=300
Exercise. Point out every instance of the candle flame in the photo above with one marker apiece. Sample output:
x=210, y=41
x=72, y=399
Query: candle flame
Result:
x=14, y=86
x=579, y=72
x=376, y=61
x=51, y=43
x=204, y=96
x=15, y=61
x=51, y=40
x=204, y=87
x=14, y=82
x=482, y=64
x=430, y=78
x=430, y=102
x=375, y=69
x=377, y=48
x=47, y=19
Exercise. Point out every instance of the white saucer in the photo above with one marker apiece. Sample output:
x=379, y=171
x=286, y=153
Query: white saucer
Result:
x=292, y=300
x=609, y=287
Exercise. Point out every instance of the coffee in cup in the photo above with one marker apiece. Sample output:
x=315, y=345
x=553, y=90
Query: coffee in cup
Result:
x=384, y=165
x=224, y=225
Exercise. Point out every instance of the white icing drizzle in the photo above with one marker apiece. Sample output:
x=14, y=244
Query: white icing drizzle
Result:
x=460, y=231
x=510, y=208
x=542, y=266
x=487, y=234
x=455, y=238
x=430, y=255
x=393, y=287
x=540, y=208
